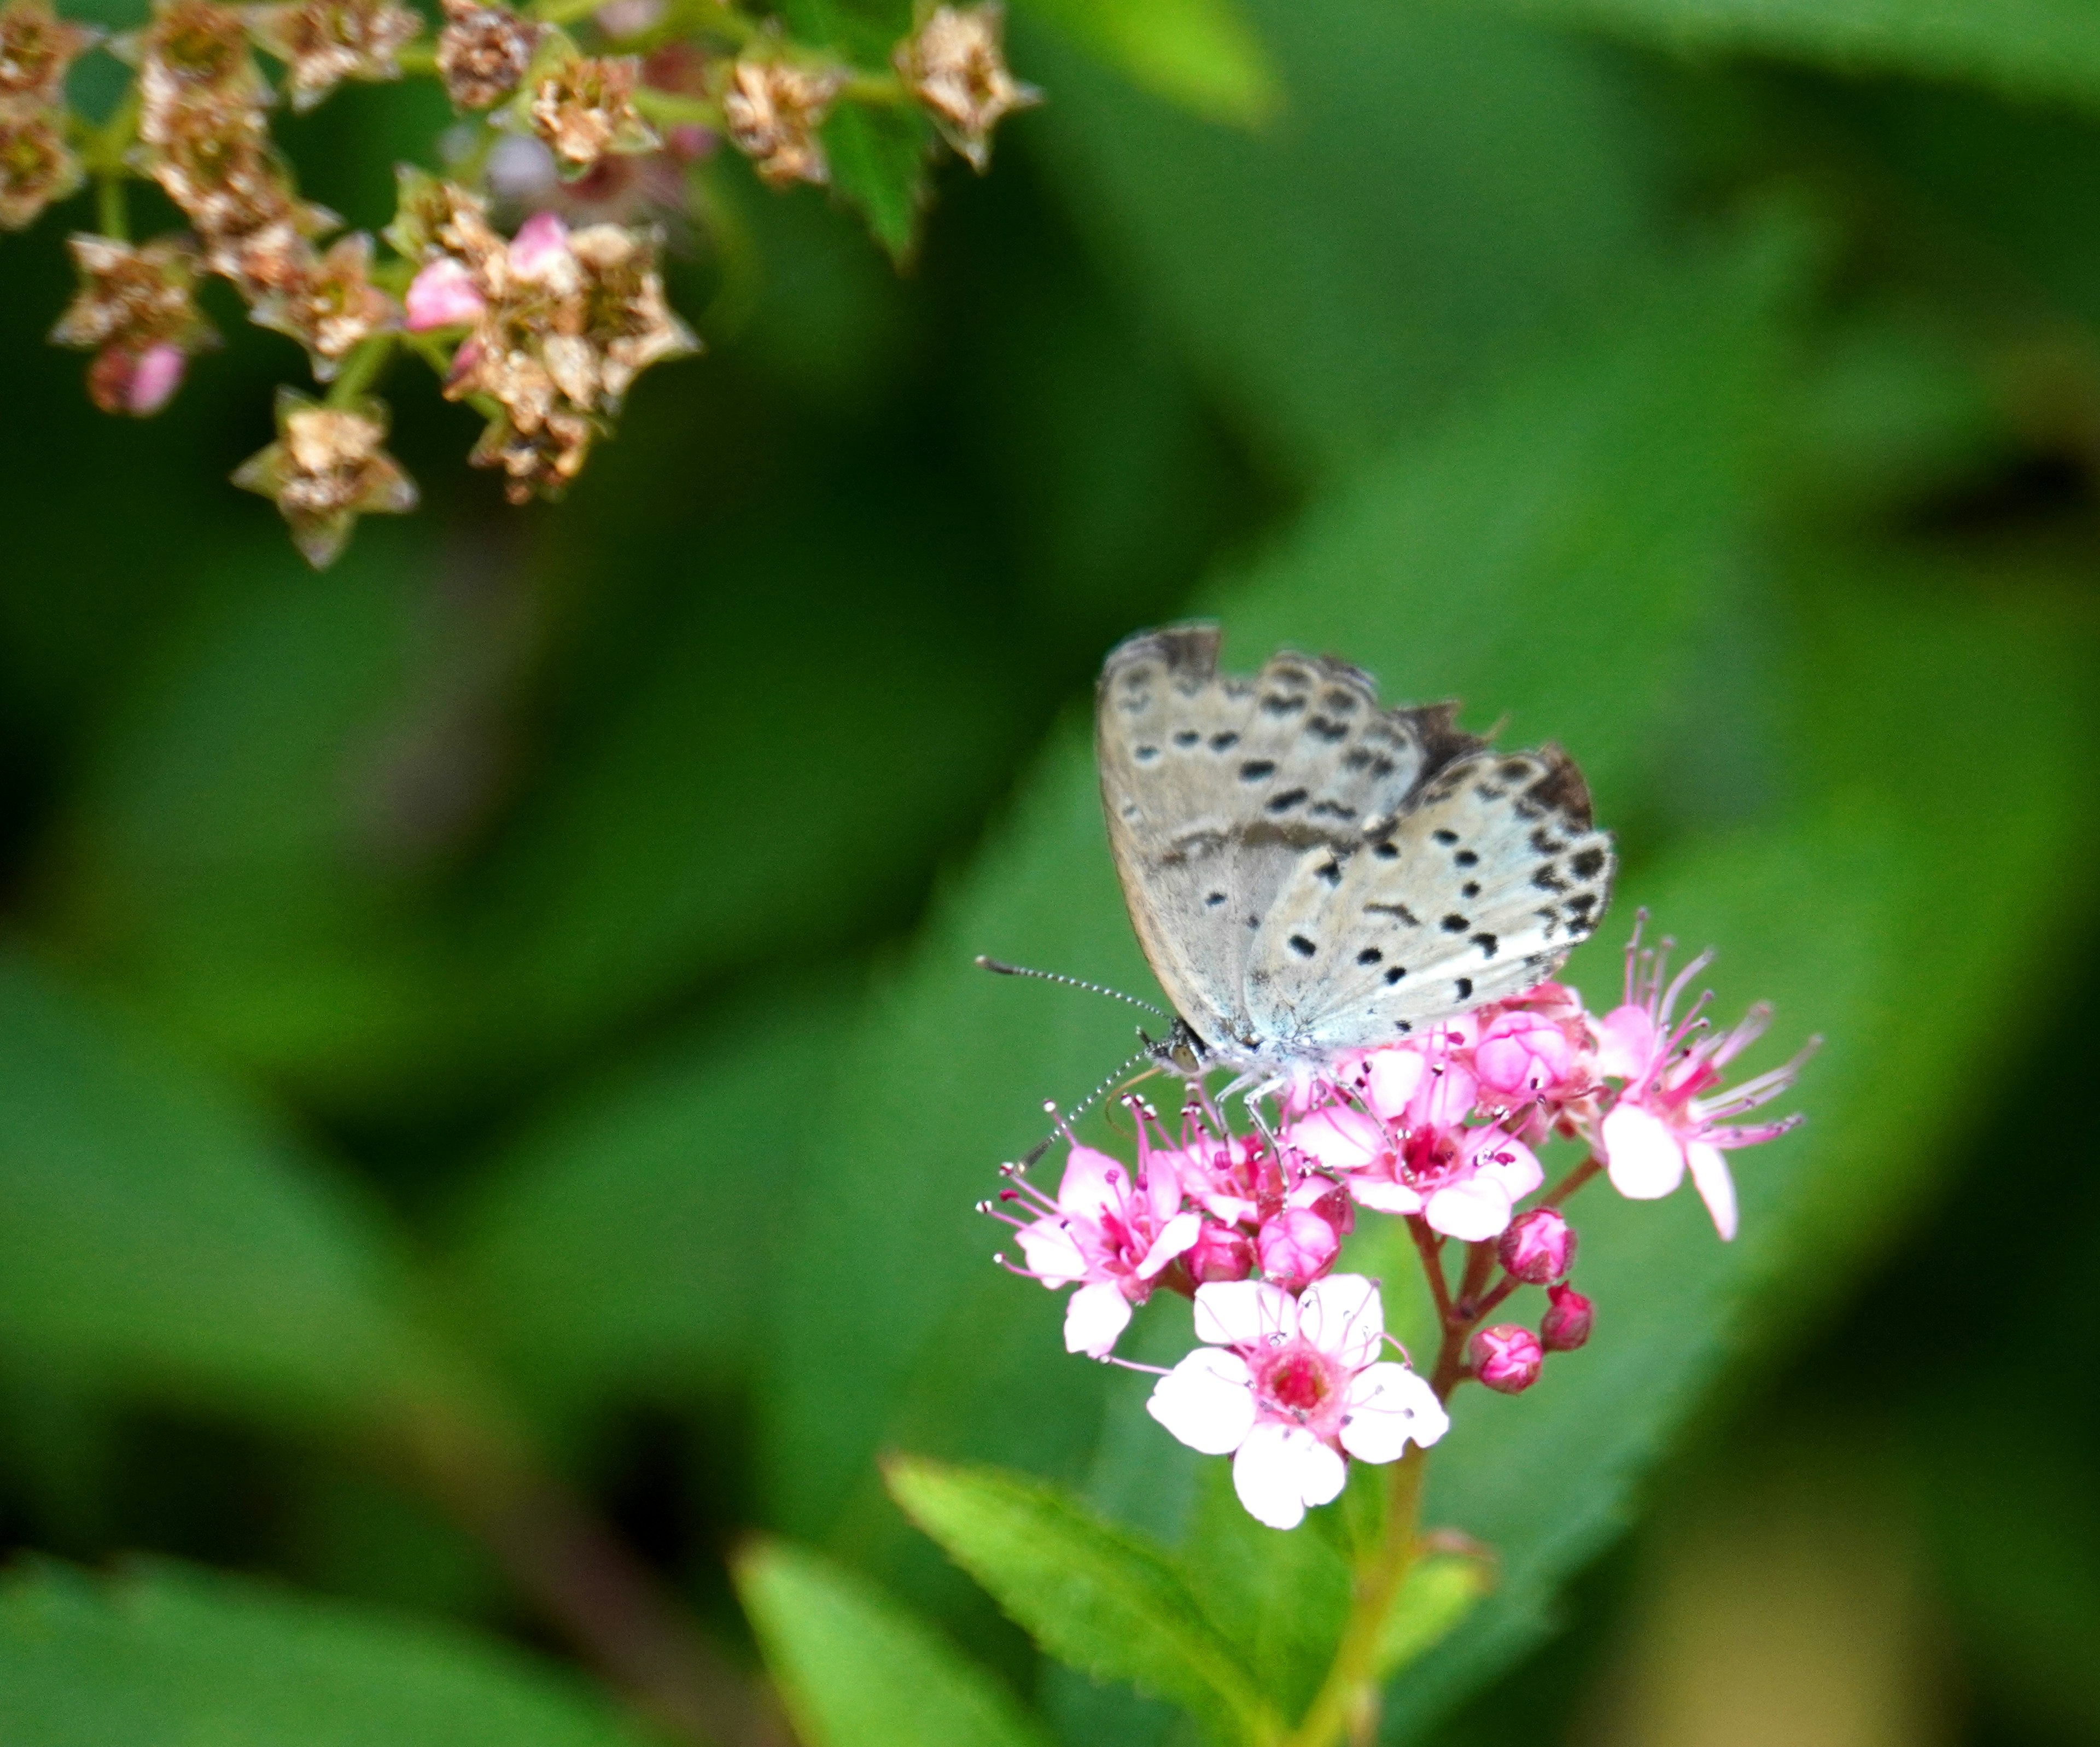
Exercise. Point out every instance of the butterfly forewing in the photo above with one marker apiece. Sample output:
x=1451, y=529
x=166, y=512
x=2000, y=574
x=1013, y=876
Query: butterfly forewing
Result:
x=1219, y=789
x=1475, y=891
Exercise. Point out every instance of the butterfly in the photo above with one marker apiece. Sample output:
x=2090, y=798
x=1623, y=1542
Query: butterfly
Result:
x=1309, y=874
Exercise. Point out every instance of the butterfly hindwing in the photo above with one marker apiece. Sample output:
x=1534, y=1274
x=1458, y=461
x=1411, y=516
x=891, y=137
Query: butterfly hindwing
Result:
x=1217, y=788
x=1475, y=891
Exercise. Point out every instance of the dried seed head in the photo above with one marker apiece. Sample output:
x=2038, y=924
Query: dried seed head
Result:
x=483, y=53
x=192, y=57
x=133, y=295
x=433, y=217
x=774, y=111
x=35, y=48
x=328, y=467
x=584, y=108
x=323, y=42
x=625, y=316
x=539, y=463
x=330, y=305
x=956, y=64
x=36, y=166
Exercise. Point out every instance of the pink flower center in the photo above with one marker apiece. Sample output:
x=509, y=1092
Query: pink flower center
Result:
x=1297, y=1382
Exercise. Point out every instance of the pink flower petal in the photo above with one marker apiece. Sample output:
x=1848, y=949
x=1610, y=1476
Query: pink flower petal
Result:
x=1094, y=1317
x=1447, y=1097
x=1053, y=1257
x=1179, y=1233
x=443, y=295
x=1094, y=1184
x=1642, y=1155
x=1206, y=1402
x=1338, y=1139
x=154, y=380
x=1381, y=1197
x=1343, y=1317
x=541, y=242
x=1280, y=1469
x=1472, y=1211
x=1625, y=1043
x=1509, y=1164
x=1717, y=1189
x=1388, y=1406
x=1391, y=1078
x=1243, y=1312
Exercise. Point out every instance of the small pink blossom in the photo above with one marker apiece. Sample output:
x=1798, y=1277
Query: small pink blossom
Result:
x=1219, y=1252
x=1296, y=1247
x=1424, y=1081
x=1109, y=1235
x=443, y=295
x=1523, y=1055
x=1539, y=1246
x=1506, y=1357
x=1465, y=1182
x=540, y=248
x=1288, y=1387
x=1568, y=1319
x=1671, y=1116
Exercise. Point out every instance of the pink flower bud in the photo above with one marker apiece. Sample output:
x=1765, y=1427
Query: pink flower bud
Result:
x=140, y=383
x=1539, y=1246
x=1220, y=1253
x=1566, y=1323
x=1297, y=1247
x=1521, y=1054
x=1506, y=1357
x=443, y=295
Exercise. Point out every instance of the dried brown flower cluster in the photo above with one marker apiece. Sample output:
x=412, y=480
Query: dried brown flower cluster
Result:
x=36, y=166
x=583, y=150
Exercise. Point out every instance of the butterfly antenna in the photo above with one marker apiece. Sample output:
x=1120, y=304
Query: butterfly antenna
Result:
x=999, y=966
x=1086, y=1103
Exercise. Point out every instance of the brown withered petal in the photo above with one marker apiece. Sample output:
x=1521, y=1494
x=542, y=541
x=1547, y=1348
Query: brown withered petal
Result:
x=193, y=56
x=433, y=217
x=488, y=365
x=623, y=312
x=134, y=296
x=541, y=461
x=956, y=64
x=774, y=111
x=483, y=53
x=584, y=108
x=323, y=42
x=330, y=305
x=218, y=166
x=328, y=467
x=36, y=166
x=35, y=48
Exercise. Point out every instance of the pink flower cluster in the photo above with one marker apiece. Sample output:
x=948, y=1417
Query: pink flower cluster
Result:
x=1440, y=1129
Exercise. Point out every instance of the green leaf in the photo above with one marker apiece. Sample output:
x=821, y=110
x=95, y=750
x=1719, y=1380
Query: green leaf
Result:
x=157, y=1230
x=880, y=160
x=625, y=1241
x=1839, y=914
x=167, y=1655
x=2024, y=48
x=1447, y=192
x=1094, y=1596
x=1441, y=1589
x=1203, y=55
x=1553, y=556
x=855, y=1670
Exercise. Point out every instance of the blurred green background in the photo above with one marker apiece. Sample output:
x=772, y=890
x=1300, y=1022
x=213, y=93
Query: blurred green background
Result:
x=503, y=1006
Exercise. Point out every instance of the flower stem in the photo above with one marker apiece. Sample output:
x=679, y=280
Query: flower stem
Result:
x=1572, y=1181
x=112, y=210
x=361, y=369
x=1348, y=1697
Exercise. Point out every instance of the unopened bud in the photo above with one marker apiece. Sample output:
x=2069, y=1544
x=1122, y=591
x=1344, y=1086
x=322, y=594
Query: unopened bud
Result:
x=1220, y=1253
x=1297, y=1247
x=1506, y=1357
x=1566, y=1323
x=140, y=383
x=1539, y=1246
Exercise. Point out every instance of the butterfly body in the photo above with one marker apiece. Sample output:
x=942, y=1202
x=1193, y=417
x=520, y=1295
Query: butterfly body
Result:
x=1309, y=874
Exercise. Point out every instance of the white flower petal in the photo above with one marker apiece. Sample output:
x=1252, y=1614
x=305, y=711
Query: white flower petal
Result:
x=1094, y=1317
x=1717, y=1189
x=1243, y=1312
x=1339, y=1138
x=1177, y=1235
x=1206, y=1402
x=1509, y=1164
x=1470, y=1211
x=1387, y=1406
x=1641, y=1156
x=1281, y=1469
x=1052, y=1254
x=1093, y=1184
x=1344, y=1317
x=1381, y=1197
x=1391, y=1078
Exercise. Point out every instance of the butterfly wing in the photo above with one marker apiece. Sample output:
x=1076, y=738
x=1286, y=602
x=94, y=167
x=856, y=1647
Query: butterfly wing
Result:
x=1477, y=889
x=1216, y=786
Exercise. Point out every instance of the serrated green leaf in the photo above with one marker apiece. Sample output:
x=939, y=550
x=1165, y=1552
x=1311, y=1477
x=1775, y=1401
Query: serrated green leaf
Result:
x=1203, y=55
x=1096, y=1597
x=2024, y=48
x=856, y=1669
x=168, y=1656
x=157, y=1231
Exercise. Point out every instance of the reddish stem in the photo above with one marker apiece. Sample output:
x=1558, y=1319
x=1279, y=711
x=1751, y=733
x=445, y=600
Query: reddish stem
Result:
x=1572, y=1181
